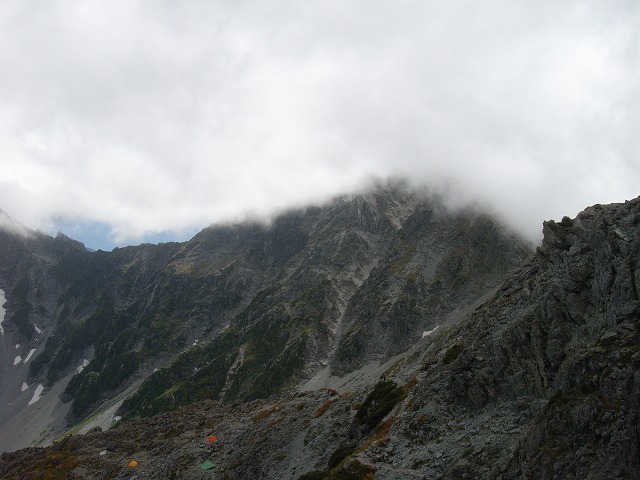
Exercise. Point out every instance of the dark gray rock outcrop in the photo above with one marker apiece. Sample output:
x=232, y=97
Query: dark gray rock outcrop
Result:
x=550, y=363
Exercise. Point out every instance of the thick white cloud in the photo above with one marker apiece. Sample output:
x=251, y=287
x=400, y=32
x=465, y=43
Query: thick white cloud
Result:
x=156, y=116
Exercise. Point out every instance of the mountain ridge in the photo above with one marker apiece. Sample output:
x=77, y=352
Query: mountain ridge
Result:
x=539, y=381
x=254, y=308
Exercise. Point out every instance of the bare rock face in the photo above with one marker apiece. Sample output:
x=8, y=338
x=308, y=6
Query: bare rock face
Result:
x=551, y=361
x=590, y=331
x=440, y=266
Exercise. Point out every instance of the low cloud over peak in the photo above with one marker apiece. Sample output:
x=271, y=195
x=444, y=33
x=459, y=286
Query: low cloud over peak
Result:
x=144, y=118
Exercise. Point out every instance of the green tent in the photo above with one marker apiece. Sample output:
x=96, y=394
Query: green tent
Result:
x=207, y=465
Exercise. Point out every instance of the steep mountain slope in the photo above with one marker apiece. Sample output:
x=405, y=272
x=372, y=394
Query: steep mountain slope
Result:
x=239, y=312
x=294, y=326
x=540, y=381
x=440, y=264
x=549, y=365
x=64, y=306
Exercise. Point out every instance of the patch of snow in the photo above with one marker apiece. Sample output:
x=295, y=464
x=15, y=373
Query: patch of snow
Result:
x=429, y=332
x=29, y=355
x=103, y=453
x=17, y=346
x=24, y=386
x=17, y=360
x=37, y=329
x=2, y=310
x=82, y=366
x=36, y=394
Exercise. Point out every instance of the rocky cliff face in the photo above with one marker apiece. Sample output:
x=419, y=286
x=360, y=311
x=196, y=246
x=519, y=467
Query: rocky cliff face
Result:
x=550, y=363
x=441, y=265
x=239, y=312
x=539, y=381
x=315, y=307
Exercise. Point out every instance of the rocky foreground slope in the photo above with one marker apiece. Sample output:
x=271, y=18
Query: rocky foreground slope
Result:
x=540, y=381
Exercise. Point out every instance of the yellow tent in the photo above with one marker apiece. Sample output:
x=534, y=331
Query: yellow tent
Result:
x=133, y=463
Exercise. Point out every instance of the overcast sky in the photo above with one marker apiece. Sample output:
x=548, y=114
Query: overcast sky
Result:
x=124, y=121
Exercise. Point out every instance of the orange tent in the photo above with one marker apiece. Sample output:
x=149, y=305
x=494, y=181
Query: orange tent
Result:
x=212, y=438
x=133, y=463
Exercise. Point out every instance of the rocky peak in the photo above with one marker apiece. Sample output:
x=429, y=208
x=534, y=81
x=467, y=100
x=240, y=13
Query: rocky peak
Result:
x=66, y=243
